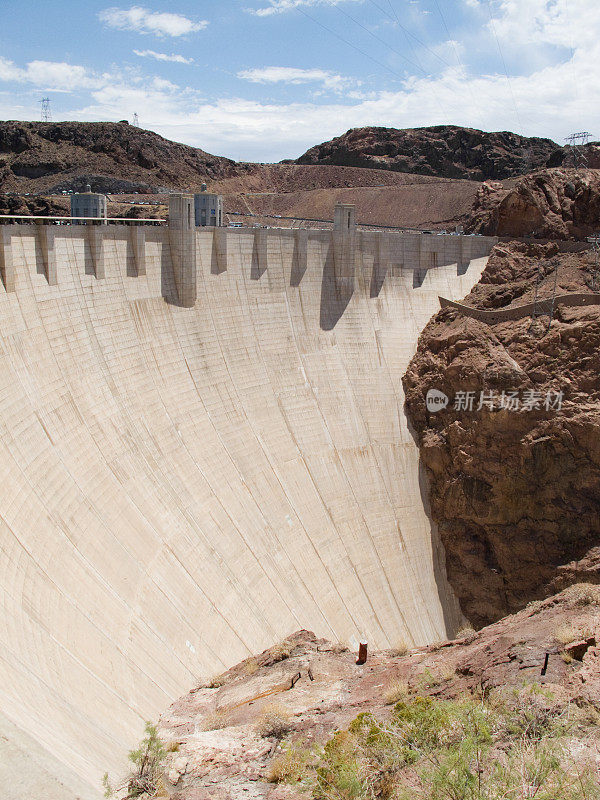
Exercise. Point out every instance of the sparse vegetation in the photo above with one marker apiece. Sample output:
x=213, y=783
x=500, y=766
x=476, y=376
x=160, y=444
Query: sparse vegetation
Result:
x=147, y=761
x=565, y=634
x=400, y=649
x=466, y=632
x=584, y=594
x=291, y=766
x=396, y=691
x=217, y=681
x=515, y=748
x=216, y=720
x=275, y=720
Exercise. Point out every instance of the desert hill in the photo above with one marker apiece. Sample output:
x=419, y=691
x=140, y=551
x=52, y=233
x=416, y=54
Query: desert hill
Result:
x=446, y=151
x=431, y=178
x=45, y=156
x=50, y=156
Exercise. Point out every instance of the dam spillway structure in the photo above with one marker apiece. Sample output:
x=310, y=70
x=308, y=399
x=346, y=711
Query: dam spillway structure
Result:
x=203, y=448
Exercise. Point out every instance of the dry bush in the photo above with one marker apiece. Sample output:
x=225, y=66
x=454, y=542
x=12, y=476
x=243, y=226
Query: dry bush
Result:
x=398, y=690
x=216, y=720
x=400, y=649
x=565, y=634
x=249, y=667
x=274, y=720
x=172, y=747
x=446, y=671
x=290, y=766
x=340, y=647
x=280, y=652
x=465, y=632
x=217, y=681
x=584, y=594
x=437, y=674
x=566, y=657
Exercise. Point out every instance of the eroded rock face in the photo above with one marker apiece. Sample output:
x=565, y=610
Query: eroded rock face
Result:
x=553, y=204
x=447, y=151
x=516, y=493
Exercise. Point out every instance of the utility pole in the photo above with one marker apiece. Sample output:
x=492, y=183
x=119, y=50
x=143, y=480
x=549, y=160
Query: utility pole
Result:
x=46, y=115
x=577, y=142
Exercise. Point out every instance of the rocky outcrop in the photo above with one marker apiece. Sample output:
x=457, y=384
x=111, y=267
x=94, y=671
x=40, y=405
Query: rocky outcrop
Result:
x=227, y=740
x=447, y=151
x=551, y=204
x=515, y=477
x=37, y=206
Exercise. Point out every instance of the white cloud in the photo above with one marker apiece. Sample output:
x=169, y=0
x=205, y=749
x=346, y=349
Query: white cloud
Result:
x=564, y=23
x=56, y=76
x=546, y=105
x=142, y=20
x=9, y=72
x=175, y=57
x=280, y=6
x=294, y=75
x=559, y=95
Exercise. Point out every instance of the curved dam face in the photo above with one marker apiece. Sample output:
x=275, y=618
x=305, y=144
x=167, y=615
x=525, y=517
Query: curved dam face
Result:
x=198, y=456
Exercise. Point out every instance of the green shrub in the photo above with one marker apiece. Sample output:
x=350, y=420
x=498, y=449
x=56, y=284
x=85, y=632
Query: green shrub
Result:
x=147, y=761
x=432, y=749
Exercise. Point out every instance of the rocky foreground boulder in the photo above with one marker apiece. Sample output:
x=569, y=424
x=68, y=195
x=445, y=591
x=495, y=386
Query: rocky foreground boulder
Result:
x=551, y=204
x=447, y=151
x=513, y=460
x=304, y=721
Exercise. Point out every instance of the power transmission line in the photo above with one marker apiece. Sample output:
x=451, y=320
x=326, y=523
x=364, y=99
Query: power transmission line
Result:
x=458, y=58
x=404, y=30
x=46, y=114
x=374, y=35
x=353, y=46
x=407, y=32
x=493, y=27
x=543, y=306
x=594, y=280
x=576, y=143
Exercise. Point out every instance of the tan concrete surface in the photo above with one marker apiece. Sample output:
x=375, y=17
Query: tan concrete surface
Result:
x=183, y=486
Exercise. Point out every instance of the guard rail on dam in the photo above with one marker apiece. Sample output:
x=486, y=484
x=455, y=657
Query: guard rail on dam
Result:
x=202, y=448
x=492, y=316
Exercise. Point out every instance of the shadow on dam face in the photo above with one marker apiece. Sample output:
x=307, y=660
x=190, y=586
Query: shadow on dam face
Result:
x=336, y=292
x=183, y=486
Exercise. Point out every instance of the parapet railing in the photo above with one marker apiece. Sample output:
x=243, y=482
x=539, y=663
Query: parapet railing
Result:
x=32, y=219
x=492, y=316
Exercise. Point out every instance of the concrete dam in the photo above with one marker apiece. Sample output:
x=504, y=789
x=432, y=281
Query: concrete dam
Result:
x=203, y=448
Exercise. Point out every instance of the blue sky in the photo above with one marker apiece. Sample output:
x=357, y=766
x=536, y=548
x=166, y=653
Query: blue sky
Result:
x=266, y=79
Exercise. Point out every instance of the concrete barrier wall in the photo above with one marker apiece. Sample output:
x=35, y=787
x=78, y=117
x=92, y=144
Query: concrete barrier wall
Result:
x=493, y=316
x=183, y=486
